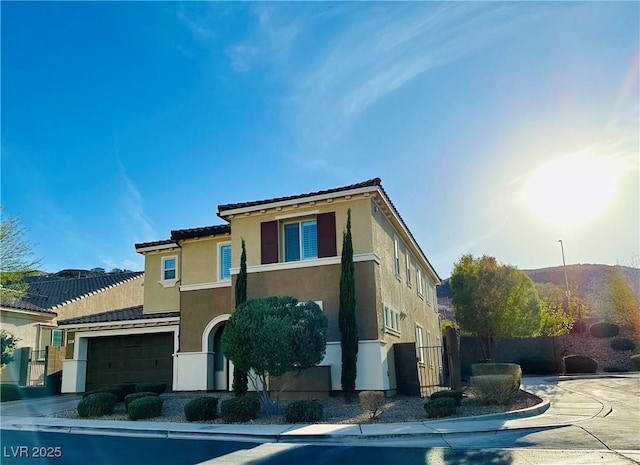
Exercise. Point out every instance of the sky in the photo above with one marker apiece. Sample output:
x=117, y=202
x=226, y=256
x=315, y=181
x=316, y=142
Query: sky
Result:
x=496, y=128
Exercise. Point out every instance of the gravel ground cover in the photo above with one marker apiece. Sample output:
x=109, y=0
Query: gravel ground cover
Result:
x=336, y=410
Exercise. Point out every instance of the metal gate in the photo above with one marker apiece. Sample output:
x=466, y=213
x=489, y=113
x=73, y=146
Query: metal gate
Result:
x=36, y=371
x=433, y=370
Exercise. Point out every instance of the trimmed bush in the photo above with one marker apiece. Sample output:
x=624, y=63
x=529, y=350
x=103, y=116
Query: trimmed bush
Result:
x=623, y=343
x=201, y=409
x=158, y=388
x=442, y=407
x=239, y=409
x=145, y=407
x=635, y=362
x=118, y=391
x=604, y=329
x=538, y=365
x=456, y=395
x=127, y=388
x=373, y=401
x=97, y=404
x=511, y=369
x=493, y=389
x=136, y=395
x=9, y=392
x=303, y=411
x=579, y=364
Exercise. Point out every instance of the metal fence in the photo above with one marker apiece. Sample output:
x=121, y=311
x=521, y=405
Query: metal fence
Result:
x=432, y=369
x=36, y=370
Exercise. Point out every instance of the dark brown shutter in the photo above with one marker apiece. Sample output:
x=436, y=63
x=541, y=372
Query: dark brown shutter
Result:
x=269, y=242
x=326, y=224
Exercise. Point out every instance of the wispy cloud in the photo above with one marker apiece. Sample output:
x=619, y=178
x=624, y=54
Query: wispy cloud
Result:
x=138, y=225
x=195, y=24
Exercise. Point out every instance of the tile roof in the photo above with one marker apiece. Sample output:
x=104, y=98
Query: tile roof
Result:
x=200, y=232
x=51, y=292
x=255, y=203
x=125, y=314
x=19, y=304
x=143, y=245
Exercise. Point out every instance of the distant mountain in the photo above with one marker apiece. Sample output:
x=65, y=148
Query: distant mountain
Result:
x=588, y=281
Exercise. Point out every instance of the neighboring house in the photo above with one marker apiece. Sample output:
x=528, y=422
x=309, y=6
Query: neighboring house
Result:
x=49, y=298
x=293, y=248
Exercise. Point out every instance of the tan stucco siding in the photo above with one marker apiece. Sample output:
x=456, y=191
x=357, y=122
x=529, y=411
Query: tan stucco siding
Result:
x=200, y=259
x=198, y=309
x=248, y=226
x=322, y=283
x=158, y=297
x=125, y=295
x=395, y=290
x=23, y=326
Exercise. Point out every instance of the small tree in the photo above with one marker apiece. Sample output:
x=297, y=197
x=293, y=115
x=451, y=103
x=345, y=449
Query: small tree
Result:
x=494, y=301
x=347, y=315
x=240, y=380
x=621, y=305
x=9, y=342
x=554, y=321
x=271, y=336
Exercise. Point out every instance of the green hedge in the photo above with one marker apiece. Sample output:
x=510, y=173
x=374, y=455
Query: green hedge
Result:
x=239, y=409
x=136, y=395
x=456, y=395
x=442, y=407
x=201, y=409
x=303, y=411
x=511, y=369
x=158, y=388
x=145, y=407
x=604, y=329
x=579, y=364
x=97, y=404
x=538, y=365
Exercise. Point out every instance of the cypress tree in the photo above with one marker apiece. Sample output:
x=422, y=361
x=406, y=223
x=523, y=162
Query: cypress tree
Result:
x=347, y=315
x=240, y=379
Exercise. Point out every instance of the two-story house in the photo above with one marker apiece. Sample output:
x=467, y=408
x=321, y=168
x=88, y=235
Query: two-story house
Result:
x=293, y=247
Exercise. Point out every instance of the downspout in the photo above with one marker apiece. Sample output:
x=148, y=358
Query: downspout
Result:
x=179, y=282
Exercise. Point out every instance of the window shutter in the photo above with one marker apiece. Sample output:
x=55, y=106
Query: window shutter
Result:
x=269, y=242
x=326, y=234
x=225, y=262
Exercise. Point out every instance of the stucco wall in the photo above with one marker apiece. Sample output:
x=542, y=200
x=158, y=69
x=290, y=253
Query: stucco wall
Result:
x=125, y=295
x=198, y=309
x=23, y=326
x=201, y=260
x=158, y=298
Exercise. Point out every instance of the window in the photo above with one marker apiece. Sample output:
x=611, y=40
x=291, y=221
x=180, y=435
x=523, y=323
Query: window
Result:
x=396, y=256
x=169, y=268
x=408, y=264
x=430, y=349
x=57, y=338
x=420, y=343
x=224, y=261
x=300, y=241
x=391, y=319
x=419, y=281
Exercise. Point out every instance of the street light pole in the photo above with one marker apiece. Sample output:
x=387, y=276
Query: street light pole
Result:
x=566, y=279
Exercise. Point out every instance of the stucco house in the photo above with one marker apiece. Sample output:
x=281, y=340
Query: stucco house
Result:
x=293, y=247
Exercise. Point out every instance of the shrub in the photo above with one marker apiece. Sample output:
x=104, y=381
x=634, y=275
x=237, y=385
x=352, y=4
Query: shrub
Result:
x=9, y=392
x=119, y=393
x=97, y=404
x=201, y=409
x=511, y=369
x=373, y=401
x=579, y=327
x=604, y=329
x=615, y=369
x=579, y=364
x=239, y=409
x=127, y=388
x=456, y=395
x=493, y=389
x=145, y=407
x=158, y=388
x=623, y=343
x=635, y=362
x=538, y=365
x=442, y=407
x=303, y=411
x=136, y=395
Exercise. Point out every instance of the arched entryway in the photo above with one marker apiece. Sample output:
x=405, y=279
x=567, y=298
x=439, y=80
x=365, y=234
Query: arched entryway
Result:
x=218, y=368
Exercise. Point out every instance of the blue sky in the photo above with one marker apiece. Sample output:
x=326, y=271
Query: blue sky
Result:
x=124, y=120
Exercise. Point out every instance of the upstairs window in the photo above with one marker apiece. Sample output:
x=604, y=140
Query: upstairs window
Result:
x=169, y=268
x=408, y=264
x=396, y=256
x=300, y=241
x=420, y=282
x=225, y=262
x=391, y=319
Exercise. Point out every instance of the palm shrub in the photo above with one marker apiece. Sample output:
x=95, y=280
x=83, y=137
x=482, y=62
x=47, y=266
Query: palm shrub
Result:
x=372, y=401
x=303, y=411
x=136, y=395
x=493, y=389
x=579, y=364
x=202, y=408
x=97, y=404
x=239, y=409
x=145, y=407
x=442, y=407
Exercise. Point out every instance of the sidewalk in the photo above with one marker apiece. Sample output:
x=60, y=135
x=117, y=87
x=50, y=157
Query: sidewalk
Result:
x=560, y=407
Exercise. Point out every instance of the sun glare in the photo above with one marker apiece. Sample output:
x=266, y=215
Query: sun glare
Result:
x=572, y=190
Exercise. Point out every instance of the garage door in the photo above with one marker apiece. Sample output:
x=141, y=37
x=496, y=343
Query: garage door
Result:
x=145, y=358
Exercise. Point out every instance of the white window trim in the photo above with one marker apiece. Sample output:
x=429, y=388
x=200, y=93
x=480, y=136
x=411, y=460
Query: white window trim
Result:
x=392, y=322
x=396, y=257
x=420, y=281
x=299, y=222
x=429, y=350
x=420, y=344
x=169, y=282
x=407, y=260
x=220, y=278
